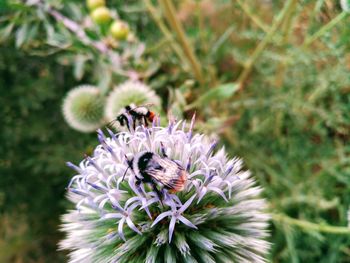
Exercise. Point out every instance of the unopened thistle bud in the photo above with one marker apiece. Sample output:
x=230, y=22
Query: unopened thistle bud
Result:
x=83, y=108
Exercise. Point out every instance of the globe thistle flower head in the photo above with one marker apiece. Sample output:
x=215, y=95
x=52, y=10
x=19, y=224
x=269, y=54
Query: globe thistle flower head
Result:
x=216, y=217
x=83, y=108
x=129, y=93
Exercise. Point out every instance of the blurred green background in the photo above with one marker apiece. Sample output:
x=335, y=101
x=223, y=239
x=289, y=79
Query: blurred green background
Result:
x=270, y=78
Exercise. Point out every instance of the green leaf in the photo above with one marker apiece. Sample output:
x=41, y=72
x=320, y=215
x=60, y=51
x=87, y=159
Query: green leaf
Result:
x=58, y=36
x=50, y=32
x=32, y=32
x=21, y=35
x=6, y=32
x=169, y=255
x=104, y=76
x=222, y=92
x=79, y=66
x=152, y=254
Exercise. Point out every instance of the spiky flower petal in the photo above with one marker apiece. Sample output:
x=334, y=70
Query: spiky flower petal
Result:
x=129, y=92
x=83, y=108
x=218, y=217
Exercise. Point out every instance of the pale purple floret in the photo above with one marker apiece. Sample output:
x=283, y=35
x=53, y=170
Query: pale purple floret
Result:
x=176, y=215
x=124, y=215
x=210, y=183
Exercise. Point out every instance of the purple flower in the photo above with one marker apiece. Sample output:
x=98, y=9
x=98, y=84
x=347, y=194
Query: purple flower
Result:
x=218, y=215
x=176, y=214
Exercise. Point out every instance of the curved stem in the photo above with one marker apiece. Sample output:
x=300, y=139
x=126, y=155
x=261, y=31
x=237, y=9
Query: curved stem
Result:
x=306, y=225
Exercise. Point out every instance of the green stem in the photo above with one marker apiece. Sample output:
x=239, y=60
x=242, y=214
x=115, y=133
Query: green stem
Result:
x=170, y=14
x=288, y=7
x=287, y=29
x=306, y=225
x=316, y=10
x=157, y=46
x=252, y=16
x=324, y=29
x=165, y=31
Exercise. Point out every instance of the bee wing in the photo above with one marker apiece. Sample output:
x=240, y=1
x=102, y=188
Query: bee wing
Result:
x=142, y=106
x=167, y=172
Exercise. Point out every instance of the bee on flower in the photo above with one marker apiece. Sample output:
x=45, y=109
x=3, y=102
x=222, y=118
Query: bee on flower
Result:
x=163, y=194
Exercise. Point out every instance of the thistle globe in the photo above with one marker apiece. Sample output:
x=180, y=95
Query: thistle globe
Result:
x=83, y=108
x=129, y=92
x=218, y=217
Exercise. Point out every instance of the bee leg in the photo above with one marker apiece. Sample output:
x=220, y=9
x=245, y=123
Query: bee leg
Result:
x=129, y=163
x=138, y=186
x=145, y=121
x=134, y=122
x=188, y=167
x=138, y=183
x=127, y=125
x=162, y=148
x=159, y=194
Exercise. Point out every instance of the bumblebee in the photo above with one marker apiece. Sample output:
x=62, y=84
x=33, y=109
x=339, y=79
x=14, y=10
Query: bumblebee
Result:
x=149, y=167
x=140, y=115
